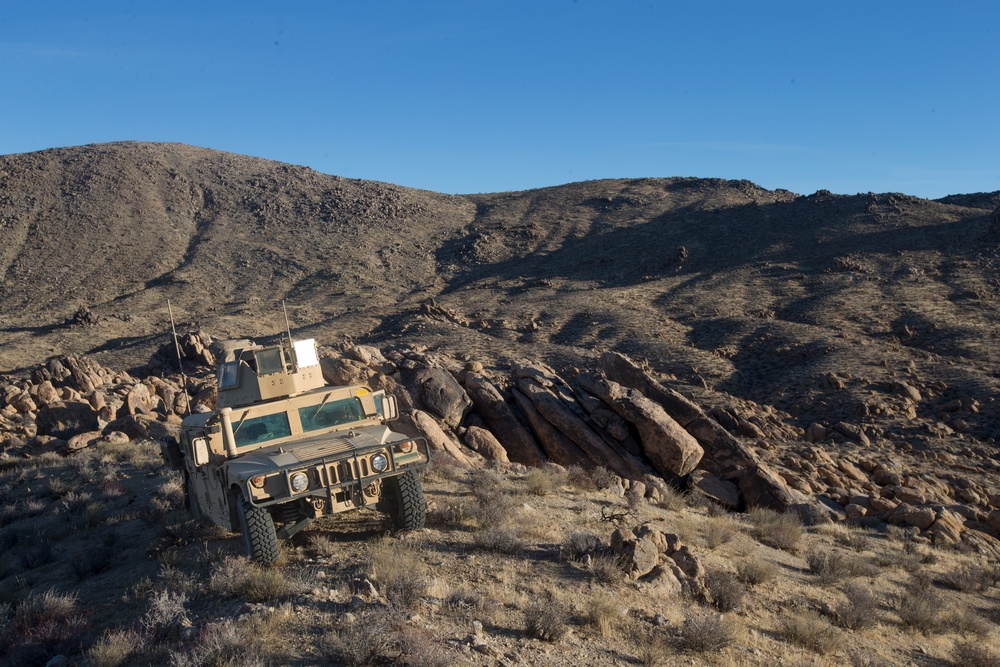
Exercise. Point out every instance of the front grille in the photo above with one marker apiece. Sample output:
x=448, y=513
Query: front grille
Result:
x=323, y=449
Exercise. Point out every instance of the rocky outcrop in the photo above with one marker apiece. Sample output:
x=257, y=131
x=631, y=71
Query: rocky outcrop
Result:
x=517, y=440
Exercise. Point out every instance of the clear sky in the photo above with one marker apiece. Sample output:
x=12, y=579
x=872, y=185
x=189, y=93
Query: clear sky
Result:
x=464, y=96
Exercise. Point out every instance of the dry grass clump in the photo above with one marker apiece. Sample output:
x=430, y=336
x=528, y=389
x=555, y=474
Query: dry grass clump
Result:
x=321, y=545
x=542, y=482
x=165, y=610
x=400, y=571
x=726, y=590
x=671, y=498
x=115, y=647
x=919, y=608
x=973, y=654
x=227, y=643
x=755, y=571
x=831, y=566
x=966, y=621
x=654, y=652
x=582, y=543
x=777, y=529
x=811, y=631
x=237, y=576
x=704, y=632
x=499, y=540
x=721, y=530
x=603, y=478
x=606, y=569
x=604, y=612
x=580, y=478
x=366, y=641
x=972, y=577
x=42, y=625
x=546, y=621
x=861, y=610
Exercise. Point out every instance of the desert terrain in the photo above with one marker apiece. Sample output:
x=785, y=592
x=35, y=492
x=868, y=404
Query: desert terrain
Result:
x=832, y=358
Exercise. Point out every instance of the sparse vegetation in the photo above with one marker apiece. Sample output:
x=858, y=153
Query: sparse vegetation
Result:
x=604, y=612
x=973, y=654
x=754, y=571
x=809, y=630
x=546, y=621
x=861, y=610
x=777, y=529
x=704, y=632
x=919, y=607
x=726, y=589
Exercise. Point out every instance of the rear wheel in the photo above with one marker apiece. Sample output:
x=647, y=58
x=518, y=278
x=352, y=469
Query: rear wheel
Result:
x=259, y=536
x=410, y=509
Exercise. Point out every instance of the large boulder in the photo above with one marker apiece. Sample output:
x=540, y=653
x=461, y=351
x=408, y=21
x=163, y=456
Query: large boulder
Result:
x=64, y=420
x=671, y=449
x=762, y=487
x=482, y=441
x=619, y=368
x=555, y=411
x=559, y=448
x=441, y=394
x=517, y=441
x=715, y=489
x=417, y=423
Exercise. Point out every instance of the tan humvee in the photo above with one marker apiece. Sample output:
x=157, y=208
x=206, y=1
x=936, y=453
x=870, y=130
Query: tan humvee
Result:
x=283, y=448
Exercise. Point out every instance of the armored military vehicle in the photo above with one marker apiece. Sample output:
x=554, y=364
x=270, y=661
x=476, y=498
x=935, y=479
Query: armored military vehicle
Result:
x=283, y=449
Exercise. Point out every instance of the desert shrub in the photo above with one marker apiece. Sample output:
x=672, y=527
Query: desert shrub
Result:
x=604, y=612
x=237, y=576
x=966, y=621
x=579, y=478
x=603, y=478
x=546, y=621
x=486, y=484
x=492, y=511
x=418, y=648
x=541, y=482
x=500, y=540
x=973, y=654
x=671, y=498
x=654, y=652
x=466, y=600
x=861, y=609
x=456, y=512
x=400, y=571
x=971, y=577
x=754, y=571
x=777, y=529
x=42, y=608
x=721, y=530
x=828, y=566
x=811, y=631
x=704, y=632
x=366, y=641
x=918, y=607
x=93, y=561
x=227, y=643
x=726, y=589
x=164, y=610
x=322, y=545
x=582, y=543
x=115, y=647
x=856, y=540
x=606, y=569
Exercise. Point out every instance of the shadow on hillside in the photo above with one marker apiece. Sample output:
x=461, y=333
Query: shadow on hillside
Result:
x=800, y=233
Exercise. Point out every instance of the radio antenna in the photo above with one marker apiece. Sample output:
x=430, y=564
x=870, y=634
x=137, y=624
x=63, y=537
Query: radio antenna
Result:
x=180, y=362
x=287, y=327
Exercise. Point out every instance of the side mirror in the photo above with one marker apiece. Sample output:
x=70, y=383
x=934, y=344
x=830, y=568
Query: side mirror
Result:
x=200, y=447
x=390, y=409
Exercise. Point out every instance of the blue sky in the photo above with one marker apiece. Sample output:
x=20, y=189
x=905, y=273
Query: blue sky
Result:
x=486, y=96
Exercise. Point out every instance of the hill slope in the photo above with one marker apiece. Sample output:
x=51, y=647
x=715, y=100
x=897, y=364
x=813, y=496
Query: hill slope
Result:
x=756, y=293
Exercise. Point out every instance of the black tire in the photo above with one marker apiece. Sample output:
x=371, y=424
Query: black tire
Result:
x=410, y=511
x=259, y=536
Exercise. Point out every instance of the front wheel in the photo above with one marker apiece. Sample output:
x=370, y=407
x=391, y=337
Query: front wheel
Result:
x=410, y=511
x=259, y=536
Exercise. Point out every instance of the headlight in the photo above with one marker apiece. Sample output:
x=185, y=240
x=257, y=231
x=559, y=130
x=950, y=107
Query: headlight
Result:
x=379, y=463
x=257, y=482
x=299, y=482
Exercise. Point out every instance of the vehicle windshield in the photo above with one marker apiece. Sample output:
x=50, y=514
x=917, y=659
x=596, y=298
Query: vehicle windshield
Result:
x=262, y=429
x=332, y=413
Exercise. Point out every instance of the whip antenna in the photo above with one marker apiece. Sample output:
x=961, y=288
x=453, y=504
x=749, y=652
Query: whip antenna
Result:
x=180, y=362
x=287, y=327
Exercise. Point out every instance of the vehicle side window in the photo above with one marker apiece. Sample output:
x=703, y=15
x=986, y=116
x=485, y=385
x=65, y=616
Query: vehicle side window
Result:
x=262, y=429
x=333, y=413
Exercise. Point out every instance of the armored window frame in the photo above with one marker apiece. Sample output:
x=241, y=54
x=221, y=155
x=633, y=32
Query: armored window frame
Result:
x=333, y=413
